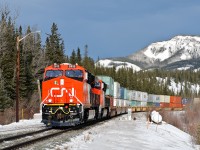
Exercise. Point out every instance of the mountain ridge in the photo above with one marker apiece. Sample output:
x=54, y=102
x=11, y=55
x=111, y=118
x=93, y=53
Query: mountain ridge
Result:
x=165, y=54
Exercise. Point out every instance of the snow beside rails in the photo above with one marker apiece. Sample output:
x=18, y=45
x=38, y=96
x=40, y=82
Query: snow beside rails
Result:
x=22, y=124
x=121, y=134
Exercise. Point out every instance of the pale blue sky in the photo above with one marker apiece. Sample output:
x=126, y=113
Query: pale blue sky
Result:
x=110, y=28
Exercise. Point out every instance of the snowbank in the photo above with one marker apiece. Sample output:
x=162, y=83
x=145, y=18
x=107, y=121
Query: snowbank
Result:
x=22, y=124
x=122, y=134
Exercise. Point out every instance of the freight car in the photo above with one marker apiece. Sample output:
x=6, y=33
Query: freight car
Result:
x=71, y=95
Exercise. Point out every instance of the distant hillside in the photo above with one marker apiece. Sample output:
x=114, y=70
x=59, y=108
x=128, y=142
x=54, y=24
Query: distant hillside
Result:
x=180, y=52
x=118, y=64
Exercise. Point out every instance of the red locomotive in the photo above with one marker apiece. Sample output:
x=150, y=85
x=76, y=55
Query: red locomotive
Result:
x=71, y=95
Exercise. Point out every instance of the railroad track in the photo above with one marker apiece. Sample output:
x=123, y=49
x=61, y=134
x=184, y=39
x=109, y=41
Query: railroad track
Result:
x=12, y=141
x=23, y=135
x=20, y=129
x=32, y=137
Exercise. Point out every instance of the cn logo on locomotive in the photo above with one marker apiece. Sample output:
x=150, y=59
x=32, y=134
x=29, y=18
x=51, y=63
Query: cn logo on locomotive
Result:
x=62, y=90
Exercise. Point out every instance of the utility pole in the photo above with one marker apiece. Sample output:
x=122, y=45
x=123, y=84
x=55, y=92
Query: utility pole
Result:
x=17, y=73
x=17, y=81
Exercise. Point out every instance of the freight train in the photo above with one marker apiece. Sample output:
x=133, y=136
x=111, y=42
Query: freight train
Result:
x=71, y=95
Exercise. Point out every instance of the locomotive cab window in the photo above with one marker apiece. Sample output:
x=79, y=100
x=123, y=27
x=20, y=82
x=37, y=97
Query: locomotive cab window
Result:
x=74, y=74
x=53, y=74
x=97, y=85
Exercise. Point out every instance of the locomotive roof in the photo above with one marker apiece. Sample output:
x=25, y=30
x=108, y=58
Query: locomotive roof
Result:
x=65, y=66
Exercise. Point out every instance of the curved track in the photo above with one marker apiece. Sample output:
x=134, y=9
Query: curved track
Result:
x=32, y=140
x=23, y=135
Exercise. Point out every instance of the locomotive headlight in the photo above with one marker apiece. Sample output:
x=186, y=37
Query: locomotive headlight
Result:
x=71, y=100
x=61, y=81
x=49, y=100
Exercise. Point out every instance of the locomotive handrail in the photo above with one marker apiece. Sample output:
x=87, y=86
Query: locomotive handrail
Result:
x=79, y=102
x=59, y=109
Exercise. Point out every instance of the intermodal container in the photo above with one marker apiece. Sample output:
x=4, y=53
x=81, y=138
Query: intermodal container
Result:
x=138, y=95
x=175, y=99
x=123, y=93
x=144, y=104
x=128, y=94
x=116, y=90
x=119, y=102
x=110, y=84
x=115, y=102
x=138, y=103
x=153, y=98
x=132, y=94
x=123, y=102
x=150, y=98
x=156, y=104
x=144, y=96
x=185, y=101
x=167, y=99
x=162, y=98
x=157, y=99
x=164, y=105
x=127, y=102
x=133, y=103
x=175, y=105
x=149, y=104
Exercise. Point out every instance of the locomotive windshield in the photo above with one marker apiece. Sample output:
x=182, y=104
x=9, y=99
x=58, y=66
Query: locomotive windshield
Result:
x=74, y=74
x=97, y=85
x=53, y=74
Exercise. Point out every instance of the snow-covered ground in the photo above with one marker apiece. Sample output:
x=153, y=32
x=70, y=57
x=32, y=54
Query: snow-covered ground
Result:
x=122, y=134
x=22, y=124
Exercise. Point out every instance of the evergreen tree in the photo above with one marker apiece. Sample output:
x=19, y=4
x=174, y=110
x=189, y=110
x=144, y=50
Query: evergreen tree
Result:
x=7, y=60
x=38, y=57
x=31, y=62
x=48, y=52
x=54, y=47
x=73, y=57
x=88, y=62
x=85, y=58
x=78, y=55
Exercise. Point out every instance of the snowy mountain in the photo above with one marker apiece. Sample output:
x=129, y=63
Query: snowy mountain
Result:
x=180, y=52
x=164, y=53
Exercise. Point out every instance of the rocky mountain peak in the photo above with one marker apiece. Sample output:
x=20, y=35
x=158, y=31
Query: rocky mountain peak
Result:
x=162, y=54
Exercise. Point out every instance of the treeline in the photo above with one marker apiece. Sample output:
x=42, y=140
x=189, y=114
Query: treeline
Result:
x=34, y=57
x=162, y=82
